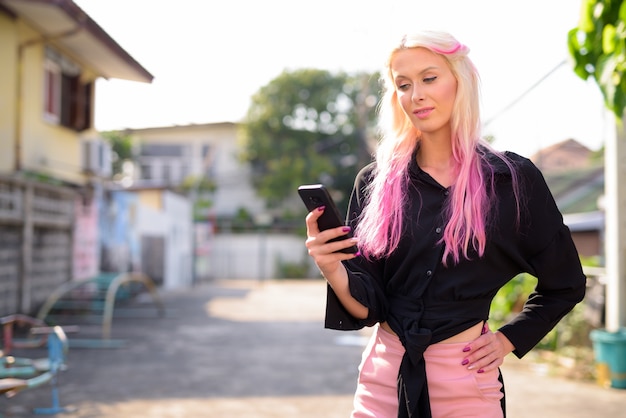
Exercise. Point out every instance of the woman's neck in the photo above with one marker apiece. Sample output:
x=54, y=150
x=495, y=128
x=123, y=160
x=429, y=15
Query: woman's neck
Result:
x=435, y=158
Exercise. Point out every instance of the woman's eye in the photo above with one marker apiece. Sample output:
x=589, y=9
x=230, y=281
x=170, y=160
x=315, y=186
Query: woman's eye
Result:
x=430, y=79
x=403, y=87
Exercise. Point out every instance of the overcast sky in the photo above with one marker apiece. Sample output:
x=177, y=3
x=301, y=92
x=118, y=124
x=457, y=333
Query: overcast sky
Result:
x=208, y=57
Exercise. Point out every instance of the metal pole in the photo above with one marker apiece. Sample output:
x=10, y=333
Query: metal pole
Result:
x=615, y=227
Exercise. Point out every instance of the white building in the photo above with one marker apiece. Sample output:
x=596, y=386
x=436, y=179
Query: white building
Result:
x=166, y=156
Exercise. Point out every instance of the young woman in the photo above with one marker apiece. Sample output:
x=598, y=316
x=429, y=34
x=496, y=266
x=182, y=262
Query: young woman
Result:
x=442, y=222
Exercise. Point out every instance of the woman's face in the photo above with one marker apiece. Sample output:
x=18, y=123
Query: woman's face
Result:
x=425, y=87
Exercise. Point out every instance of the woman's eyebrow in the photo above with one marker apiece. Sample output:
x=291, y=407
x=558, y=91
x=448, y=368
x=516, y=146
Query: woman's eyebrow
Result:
x=422, y=71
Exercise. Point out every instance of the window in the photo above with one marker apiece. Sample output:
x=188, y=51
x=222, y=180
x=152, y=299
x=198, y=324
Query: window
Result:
x=67, y=100
x=166, y=173
x=52, y=92
x=146, y=172
x=161, y=150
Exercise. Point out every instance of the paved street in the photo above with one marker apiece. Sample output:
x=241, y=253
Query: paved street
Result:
x=237, y=349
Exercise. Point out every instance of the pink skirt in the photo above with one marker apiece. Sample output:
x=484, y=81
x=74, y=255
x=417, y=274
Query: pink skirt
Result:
x=454, y=391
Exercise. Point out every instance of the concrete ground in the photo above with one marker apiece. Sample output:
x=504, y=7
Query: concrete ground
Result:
x=234, y=349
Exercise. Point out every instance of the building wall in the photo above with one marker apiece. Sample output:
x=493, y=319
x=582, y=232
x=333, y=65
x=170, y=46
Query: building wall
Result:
x=210, y=151
x=155, y=239
x=588, y=243
x=45, y=147
x=35, y=243
x=86, y=257
x=8, y=47
x=166, y=241
x=119, y=239
x=252, y=256
x=10, y=267
x=179, y=244
x=151, y=198
x=51, y=263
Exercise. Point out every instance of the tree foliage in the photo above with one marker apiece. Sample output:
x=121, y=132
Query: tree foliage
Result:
x=122, y=148
x=309, y=126
x=598, y=47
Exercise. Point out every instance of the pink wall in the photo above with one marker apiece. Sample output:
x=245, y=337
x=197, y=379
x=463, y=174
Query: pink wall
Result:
x=86, y=246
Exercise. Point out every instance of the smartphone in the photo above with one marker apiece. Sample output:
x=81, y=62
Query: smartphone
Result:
x=316, y=195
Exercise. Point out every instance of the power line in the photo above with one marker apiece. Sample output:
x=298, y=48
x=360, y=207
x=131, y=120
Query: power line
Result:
x=531, y=88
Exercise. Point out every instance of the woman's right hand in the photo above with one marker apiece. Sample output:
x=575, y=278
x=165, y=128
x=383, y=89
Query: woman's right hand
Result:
x=328, y=259
x=324, y=253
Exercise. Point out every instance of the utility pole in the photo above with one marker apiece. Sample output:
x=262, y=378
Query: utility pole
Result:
x=615, y=218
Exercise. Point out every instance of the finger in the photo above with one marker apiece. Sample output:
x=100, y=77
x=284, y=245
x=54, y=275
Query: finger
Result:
x=335, y=233
x=481, y=352
x=338, y=246
x=487, y=363
x=319, y=246
x=326, y=259
x=488, y=351
x=311, y=221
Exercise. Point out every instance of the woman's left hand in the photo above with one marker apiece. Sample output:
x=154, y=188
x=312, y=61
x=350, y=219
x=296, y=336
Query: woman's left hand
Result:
x=487, y=352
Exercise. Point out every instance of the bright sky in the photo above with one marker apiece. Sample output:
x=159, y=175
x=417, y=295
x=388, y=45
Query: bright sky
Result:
x=209, y=57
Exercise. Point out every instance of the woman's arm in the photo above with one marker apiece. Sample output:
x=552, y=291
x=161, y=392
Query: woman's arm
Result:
x=329, y=261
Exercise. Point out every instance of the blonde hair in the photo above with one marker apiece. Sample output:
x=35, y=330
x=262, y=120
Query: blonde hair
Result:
x=380, y=225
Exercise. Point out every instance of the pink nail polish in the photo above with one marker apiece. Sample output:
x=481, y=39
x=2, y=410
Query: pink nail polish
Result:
x=464, y=363
x=480, y=371
x=466, y=349
x=346, y=229
x=357, y=254
x=321, y=208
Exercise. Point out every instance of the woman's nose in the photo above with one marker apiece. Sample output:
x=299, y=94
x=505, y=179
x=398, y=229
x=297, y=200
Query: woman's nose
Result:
x=417, y=95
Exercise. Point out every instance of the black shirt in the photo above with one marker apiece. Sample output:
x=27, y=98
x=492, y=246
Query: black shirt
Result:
x=425, y=301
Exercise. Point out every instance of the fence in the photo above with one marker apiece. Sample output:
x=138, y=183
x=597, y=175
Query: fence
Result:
x=36, y=221
x=256, y=256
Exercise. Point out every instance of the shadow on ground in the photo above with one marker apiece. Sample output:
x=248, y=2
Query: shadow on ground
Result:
x=221, y=343
x=235, y=349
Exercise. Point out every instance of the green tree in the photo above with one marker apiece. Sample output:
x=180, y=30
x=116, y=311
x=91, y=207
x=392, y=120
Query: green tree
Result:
x=598, y=47
x=309, y=126
x=122, y=147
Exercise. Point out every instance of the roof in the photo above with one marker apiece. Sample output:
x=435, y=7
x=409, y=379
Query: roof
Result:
x=174, y=128
x=570, y=145
x=581, y=222
x=66, y=24
x=563, y=156
x=577, y=190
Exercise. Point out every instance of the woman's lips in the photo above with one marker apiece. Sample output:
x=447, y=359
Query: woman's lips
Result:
x=424, y=112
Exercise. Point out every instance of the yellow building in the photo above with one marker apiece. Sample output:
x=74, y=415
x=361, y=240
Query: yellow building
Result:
x=51, y=53
x=52, y=161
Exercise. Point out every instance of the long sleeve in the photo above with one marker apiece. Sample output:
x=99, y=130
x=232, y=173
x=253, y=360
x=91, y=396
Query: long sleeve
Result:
x=553, y=260
x=365, y=276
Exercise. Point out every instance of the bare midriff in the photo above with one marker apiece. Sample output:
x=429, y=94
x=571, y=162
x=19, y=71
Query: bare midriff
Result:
x=468, y=335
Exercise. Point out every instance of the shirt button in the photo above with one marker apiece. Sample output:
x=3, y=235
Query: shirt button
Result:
x=429, y=273
x=438, y=230
x=446, y=192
